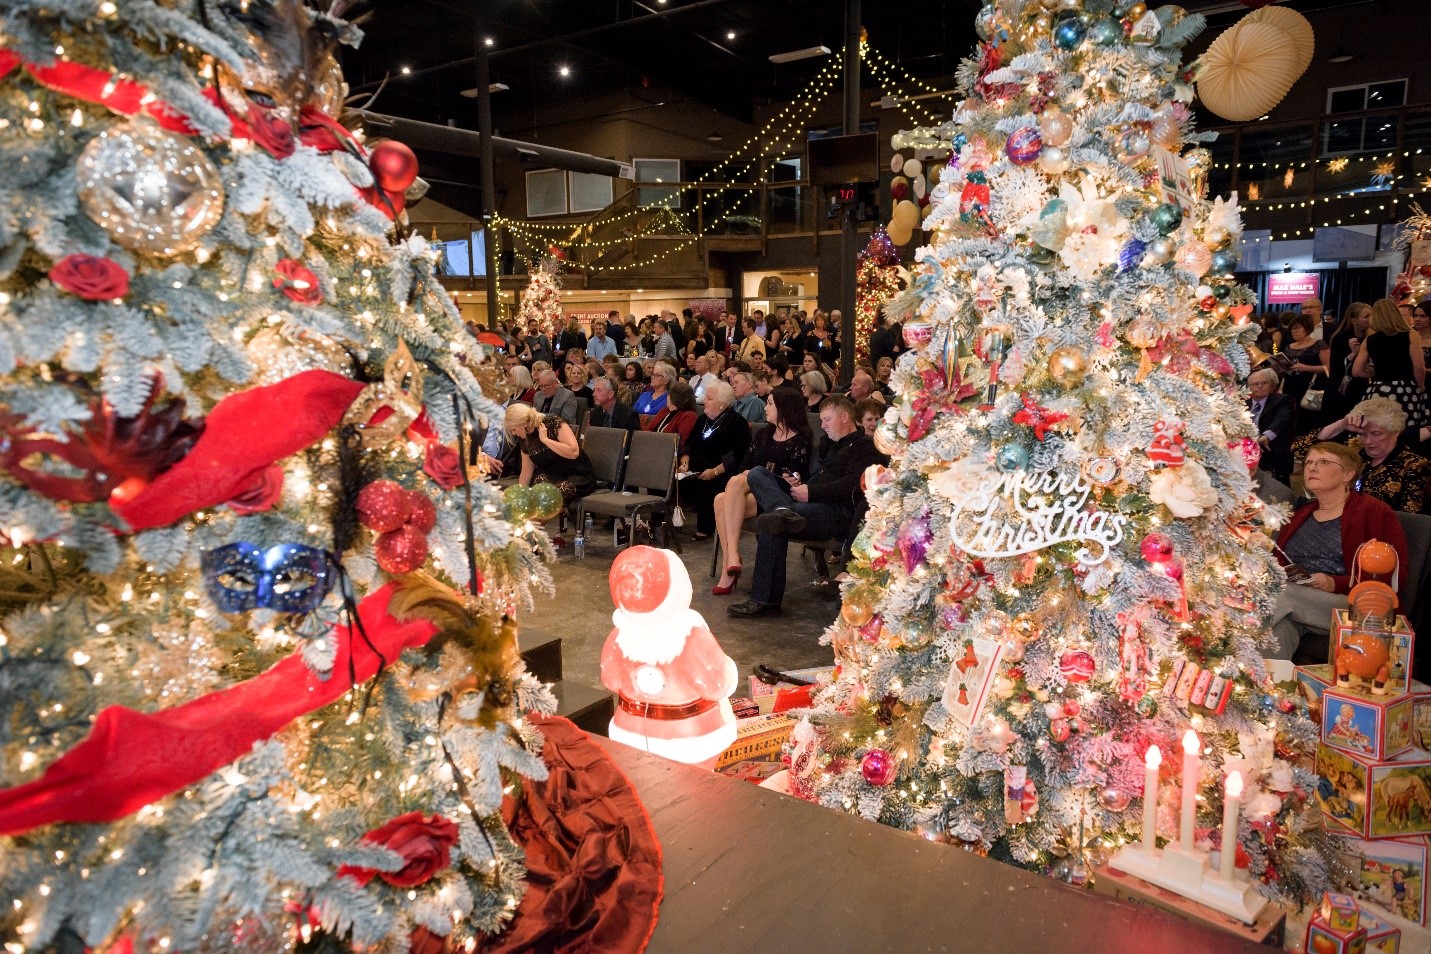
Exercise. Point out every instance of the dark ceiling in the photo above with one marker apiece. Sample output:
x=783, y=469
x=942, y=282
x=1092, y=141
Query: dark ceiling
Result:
x=662, y=49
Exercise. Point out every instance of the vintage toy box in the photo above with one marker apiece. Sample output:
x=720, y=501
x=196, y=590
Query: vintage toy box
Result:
x=1375, y=726
x=1381, y=937
x=1375, y=799
x=1322, y=939
x=1389, y=874
x=760, y=738
x=1401, y=641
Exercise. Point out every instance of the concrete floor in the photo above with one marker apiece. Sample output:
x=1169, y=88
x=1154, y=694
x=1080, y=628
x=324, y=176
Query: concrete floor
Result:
x=581, y=612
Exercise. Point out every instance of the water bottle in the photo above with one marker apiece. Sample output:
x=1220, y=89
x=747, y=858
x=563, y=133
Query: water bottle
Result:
x=578, y=546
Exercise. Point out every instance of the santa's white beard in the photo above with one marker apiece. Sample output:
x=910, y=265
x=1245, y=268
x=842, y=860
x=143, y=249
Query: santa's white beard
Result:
x=654, y=638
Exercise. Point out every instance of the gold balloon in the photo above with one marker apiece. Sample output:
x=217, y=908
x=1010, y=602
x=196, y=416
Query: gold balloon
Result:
x=1067, y=367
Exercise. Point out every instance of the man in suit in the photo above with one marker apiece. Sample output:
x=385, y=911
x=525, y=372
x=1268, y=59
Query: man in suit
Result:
x=822, y=507
x=607, y=411
x=728, y=334
x=615, y=331
x=552, y=398
x=1272, y=415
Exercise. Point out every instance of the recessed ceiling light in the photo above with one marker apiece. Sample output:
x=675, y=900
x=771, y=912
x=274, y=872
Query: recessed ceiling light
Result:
x=406, y=70
x=730, y=35
x=565, y=71
x=489, y=42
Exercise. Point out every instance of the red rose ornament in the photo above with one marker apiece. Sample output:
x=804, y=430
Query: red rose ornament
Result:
x=423, y=841
x=91, y=277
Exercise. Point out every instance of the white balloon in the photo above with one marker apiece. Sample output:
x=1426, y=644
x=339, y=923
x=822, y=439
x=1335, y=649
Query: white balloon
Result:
x=896, y=162
x=913, y=168
x=920, y=186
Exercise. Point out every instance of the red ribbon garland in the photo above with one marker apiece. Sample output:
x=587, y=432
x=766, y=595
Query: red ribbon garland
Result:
x=131, y=759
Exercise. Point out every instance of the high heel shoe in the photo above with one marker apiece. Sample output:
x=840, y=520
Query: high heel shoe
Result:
x=734, y=573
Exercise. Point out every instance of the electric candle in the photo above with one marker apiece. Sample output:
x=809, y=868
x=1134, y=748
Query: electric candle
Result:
x=1190, y=772
x=1229, y=826
x=1151, y=761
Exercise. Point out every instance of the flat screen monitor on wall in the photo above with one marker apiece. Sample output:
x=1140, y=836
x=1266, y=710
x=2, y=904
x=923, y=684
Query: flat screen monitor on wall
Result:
x=839, y=160
x=1330, y=244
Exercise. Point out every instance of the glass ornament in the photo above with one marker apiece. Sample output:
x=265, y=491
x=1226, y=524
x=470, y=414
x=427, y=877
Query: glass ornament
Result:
x=1055, y=127
x=1011, y=457
x=1166, y=218
x=1067, y=367
x=1024, y=146
x=152, y=191
x=1069, y=32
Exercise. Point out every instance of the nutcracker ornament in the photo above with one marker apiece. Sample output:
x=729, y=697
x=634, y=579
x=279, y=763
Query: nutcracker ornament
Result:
x=671, y=679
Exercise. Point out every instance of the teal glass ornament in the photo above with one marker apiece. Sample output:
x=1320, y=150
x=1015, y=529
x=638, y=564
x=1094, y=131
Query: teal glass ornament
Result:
x=1166, y=218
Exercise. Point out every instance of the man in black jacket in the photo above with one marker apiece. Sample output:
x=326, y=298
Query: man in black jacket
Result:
x=820, y=508
x=608, y=411
x=1272, y=415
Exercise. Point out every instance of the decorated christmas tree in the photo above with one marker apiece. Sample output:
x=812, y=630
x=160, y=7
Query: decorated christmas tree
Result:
x=541, y=299
x=876, y=282
x=1065, y=563
x=259, y=683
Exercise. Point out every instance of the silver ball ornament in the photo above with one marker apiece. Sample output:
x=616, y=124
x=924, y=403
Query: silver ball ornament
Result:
x=1053, y=160
x=152, y=191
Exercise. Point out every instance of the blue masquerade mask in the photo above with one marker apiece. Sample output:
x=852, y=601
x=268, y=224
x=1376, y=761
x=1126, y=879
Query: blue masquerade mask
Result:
x=287, y=578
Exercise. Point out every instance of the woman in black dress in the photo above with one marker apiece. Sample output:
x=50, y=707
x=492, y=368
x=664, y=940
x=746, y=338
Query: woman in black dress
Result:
x=550, y=452
x=821, y=342
x=1392, y=359
x=718, y=443
x=1344, y=391
x=784, y=449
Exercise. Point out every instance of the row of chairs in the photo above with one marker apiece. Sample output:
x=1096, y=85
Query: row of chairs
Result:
x=637, y=470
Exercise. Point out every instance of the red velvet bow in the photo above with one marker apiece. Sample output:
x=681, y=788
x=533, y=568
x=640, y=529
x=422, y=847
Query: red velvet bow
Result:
x=131, y=759
x=244, y=434
x=100, y=87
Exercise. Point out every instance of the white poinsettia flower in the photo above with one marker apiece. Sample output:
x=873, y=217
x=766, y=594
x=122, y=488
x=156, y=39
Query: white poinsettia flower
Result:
x=1088, y=209
x=1226, y=214
x=1187, y=490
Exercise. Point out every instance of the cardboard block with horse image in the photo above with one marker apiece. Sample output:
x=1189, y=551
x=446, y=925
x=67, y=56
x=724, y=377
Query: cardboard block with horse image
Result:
x=1375, y=799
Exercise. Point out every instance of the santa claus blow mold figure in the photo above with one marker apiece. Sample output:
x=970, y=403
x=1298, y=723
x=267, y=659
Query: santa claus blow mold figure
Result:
x=671, y=679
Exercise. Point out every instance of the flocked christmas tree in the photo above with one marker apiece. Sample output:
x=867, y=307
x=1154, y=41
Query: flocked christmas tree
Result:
x=876, y=282
x=541, y=299
x=248, y=695
x=1065, y=563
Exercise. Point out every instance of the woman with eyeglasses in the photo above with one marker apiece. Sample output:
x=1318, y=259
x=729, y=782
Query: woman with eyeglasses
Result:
x=1318, y=549
x=1394, y=473
x=653, y=400
x=784, y=449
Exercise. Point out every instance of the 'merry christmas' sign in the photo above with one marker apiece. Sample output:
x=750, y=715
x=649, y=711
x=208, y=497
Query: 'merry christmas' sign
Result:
x=1022, y=512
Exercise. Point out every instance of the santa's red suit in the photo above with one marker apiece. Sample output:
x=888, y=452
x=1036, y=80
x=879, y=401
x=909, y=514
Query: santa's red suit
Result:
x=670, y=676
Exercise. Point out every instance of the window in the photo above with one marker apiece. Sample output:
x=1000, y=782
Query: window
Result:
x=657, y=170
x=1364, y=134
x=589, y=192
x=546, y=193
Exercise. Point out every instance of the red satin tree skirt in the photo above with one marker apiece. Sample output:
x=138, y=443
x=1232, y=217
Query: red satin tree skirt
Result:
x=594, y=879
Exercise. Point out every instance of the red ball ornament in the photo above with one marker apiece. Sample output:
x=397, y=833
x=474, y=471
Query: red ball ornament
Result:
x=1077, y=665
x=394, y=166
x=640, y=579
x=383, y=505
x=1208, y=303
x=401, y=551
x=1424, y=271
x=878, y=767
x=1059, y=730
x=1157, y=548
x=423, y=513
x=1174, y=570
x=899, y=191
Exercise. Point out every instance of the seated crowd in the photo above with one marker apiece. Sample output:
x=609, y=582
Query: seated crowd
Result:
x=1343, y=414
x=1340, y=413
x=744, y=396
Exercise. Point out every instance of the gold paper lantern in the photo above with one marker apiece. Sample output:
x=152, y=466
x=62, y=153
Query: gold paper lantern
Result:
x=1292, y=23
x=1247, y=71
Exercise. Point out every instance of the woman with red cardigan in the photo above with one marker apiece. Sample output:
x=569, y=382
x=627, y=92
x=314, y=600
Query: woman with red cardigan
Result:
x=1318, y=547
x=678, y=416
